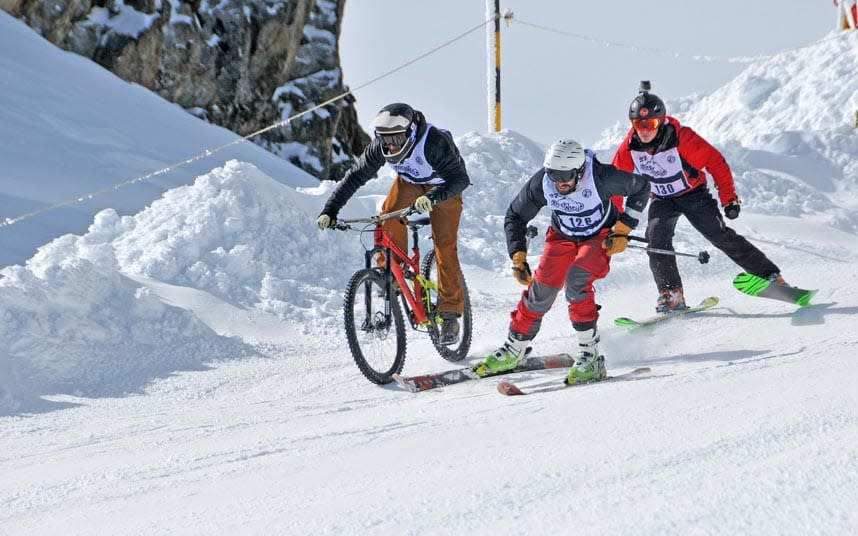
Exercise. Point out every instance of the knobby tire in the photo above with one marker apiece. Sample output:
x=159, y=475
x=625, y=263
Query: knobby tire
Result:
x=458, y=351
x=377, y=342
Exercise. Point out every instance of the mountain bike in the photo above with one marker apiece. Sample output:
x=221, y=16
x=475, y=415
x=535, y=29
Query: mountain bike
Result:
x=374, y=320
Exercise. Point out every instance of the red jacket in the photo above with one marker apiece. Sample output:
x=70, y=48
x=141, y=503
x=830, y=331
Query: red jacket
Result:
x=695, y=153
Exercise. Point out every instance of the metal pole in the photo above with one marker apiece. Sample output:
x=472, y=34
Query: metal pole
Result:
x=493, y=66
x=497, y=68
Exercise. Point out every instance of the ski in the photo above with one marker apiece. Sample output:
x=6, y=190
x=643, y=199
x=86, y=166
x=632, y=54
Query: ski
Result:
x=629, y=323
x=415, y=384
x=757, y=286
x=507, y=388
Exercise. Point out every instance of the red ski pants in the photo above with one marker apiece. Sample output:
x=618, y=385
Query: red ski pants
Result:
x=575, y=265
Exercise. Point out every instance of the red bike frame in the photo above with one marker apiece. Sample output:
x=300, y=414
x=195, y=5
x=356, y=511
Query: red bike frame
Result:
x=384, y=244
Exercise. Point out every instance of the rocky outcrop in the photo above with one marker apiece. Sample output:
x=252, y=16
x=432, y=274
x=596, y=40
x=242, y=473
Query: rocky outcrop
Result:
x=241, y=64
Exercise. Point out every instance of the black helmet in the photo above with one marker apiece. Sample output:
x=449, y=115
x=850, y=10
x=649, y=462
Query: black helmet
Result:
x=646, y=104
x=396, y=126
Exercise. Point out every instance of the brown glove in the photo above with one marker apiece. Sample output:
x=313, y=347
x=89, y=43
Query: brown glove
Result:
x=618, y=239
x=520, y=268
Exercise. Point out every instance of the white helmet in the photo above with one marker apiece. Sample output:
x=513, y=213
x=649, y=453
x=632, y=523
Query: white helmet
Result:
x=564, y=160
x=396, y=126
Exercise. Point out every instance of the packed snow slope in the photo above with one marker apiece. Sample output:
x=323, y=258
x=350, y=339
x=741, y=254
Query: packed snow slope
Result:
x=68, y=127
x=182, y=368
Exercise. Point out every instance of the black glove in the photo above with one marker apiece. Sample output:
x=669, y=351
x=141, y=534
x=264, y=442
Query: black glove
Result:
x=731, y=209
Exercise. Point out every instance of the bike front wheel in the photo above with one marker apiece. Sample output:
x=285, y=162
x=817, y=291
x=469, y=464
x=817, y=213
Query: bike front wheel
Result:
x=451, y=352
x=374, y=326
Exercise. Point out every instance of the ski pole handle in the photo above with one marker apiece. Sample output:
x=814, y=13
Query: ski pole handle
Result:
x=528, y=234
x=531, y=231
x=638, y=238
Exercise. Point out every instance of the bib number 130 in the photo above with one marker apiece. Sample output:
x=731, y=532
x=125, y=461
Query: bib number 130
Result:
x=663, y=189
x=667, y=189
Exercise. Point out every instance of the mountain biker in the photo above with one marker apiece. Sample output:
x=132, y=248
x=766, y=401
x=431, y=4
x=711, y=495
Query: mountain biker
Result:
x=673, y=157
x=431, y=176
x=586, y=229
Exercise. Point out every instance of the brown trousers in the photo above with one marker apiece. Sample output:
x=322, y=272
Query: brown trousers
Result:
x=444, y=220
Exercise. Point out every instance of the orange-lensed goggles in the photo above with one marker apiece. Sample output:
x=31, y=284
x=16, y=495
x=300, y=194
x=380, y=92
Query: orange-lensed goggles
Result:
x=650, y=123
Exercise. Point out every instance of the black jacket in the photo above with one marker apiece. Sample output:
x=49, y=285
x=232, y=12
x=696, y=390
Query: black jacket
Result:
x=610, y=182
x=441, y=153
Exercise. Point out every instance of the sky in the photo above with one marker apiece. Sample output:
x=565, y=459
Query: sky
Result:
x=181, y=367
x=584, y=86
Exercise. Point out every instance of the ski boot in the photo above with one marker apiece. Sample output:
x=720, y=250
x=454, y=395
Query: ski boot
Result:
x=777, y=279
x=505, y=358
x=589, y=365
x=671, y=299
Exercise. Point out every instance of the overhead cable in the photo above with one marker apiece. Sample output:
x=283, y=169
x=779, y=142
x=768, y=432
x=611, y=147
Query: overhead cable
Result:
x=510, y=18
x=9, y=221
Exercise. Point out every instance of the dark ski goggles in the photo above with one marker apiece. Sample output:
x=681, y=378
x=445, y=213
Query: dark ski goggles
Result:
x=396, y=139
x=565, y=175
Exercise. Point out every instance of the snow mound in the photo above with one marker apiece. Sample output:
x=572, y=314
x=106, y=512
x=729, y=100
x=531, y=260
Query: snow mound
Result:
x=786, y=127
x=787, y=92
x=498, y=165
x=71, y=323
x=239, y=235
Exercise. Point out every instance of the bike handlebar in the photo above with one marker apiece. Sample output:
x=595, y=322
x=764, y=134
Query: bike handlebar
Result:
x=378, y=218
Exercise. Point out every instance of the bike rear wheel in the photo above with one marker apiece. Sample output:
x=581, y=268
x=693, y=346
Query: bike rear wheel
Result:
x=374, y=326
x=452, y=352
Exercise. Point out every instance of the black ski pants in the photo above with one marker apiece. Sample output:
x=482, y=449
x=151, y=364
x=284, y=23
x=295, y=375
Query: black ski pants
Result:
x=702, y=212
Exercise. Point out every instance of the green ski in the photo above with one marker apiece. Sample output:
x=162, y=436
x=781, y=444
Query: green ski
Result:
x=763, y=288
x=628, y=323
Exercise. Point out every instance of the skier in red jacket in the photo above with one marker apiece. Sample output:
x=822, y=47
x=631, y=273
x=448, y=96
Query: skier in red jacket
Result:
x=673, y=157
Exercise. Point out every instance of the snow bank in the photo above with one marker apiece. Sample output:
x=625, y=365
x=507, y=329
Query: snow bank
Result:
x=786, y=127
x=72, y=323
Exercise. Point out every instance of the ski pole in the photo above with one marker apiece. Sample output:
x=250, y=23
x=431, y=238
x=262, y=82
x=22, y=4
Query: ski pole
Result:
x=702, y=257
x=531, y=232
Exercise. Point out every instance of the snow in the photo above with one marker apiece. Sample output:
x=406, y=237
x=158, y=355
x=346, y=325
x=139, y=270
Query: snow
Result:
x=123, y=19
x=68, y=127
x=172, y=358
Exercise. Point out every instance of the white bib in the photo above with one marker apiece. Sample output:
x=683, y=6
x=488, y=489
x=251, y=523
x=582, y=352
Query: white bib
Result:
x=415, y=169
x=667, y=178
x=580, y=213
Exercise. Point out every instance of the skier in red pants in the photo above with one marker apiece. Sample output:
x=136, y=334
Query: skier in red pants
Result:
x=586, y=229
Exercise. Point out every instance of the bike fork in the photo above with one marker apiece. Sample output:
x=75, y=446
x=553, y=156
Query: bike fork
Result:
x=388, y=289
